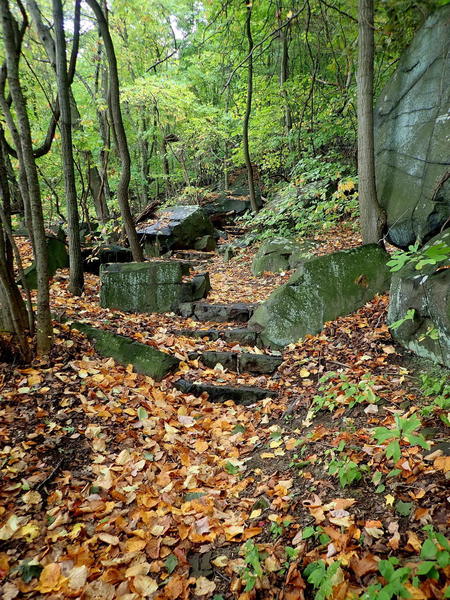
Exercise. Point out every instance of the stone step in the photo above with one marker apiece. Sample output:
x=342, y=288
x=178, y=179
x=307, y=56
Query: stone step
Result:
x=241, y=362
x=243, y=394
x=241, y=335
x=197, y=255
x=220, y=313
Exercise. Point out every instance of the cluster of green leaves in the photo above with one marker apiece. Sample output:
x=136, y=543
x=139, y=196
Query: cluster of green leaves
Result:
x=323, y=578
x=320, y=194
x=436, y=390
x=431, y=255
x=253, y=565
x=405, y=429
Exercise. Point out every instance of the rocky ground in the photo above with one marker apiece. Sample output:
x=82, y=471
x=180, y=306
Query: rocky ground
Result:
x=115, y=486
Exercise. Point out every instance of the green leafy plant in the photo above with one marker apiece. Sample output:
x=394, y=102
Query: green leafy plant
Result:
x=435, y=554
x=343, y=392
x=346, y=470
x=395, y=578
x=253, y=561
x=405, y=429
x=432, y=255
x=323, y=578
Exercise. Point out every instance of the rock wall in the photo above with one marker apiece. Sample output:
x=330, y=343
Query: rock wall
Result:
x=412, y=136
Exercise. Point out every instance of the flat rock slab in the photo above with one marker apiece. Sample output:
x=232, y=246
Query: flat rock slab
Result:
x=412, y=123
x=241, y=335
x=244, y=395
x=175, y=228
x=425, y=295
x=145, y=359
x=241, y=362
x=194, y=255
x=321, y=290
x=150, y=287
x=220, y=313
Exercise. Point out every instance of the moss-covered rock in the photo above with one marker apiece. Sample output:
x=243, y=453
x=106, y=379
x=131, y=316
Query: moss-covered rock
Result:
x=58, y=258
x=281, y=254
x=322, y=289
x=412, y=122
x=145, y=359
x=423, y=295
x=94, y=256
x=149, y=287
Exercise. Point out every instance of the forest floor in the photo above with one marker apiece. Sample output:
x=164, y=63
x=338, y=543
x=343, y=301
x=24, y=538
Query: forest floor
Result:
x=115, y=486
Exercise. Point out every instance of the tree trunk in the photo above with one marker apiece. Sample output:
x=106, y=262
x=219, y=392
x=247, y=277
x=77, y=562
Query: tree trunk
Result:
x=122, y=144
x=12, y=51
x=372, y=217
x=73, y=223
x=284, y=74
x=248, y=109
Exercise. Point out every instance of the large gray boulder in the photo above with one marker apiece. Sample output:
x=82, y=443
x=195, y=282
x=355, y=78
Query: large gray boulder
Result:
x=149, y=287
x=321, y=290
x=281, y=254
x=420, y=302
x=145, y=359
x=412, y=135
x=177, y=228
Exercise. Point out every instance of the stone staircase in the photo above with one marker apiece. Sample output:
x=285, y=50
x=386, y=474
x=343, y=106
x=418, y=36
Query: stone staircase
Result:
x=234, y=360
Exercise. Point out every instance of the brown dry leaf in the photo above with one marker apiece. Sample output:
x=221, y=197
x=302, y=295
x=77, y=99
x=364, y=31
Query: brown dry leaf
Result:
x=366, y=564
x=51, y=579
x=204, y=586
x=113, y=540
x=77, y=577
x=144, y=585
x=413, y=541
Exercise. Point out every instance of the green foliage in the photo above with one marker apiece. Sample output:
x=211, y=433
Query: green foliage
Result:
x=253, y=560
x=346, y=470
x=320, y=195
x=405, y=429
x=432, y=255
x=395, y=578
x=323, y=578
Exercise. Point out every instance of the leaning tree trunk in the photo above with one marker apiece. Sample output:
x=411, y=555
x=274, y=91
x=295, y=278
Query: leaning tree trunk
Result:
x=372, y=216
x=75, y=259
x=12, y=51
x=121, y=138
x=248, y=109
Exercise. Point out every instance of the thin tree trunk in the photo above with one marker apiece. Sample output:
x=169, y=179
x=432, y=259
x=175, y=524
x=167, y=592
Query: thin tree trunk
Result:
x=248, y=109
x=284, y=74
x=12, y=51
x=372, y=217
x=122, y=144
x=75, y=259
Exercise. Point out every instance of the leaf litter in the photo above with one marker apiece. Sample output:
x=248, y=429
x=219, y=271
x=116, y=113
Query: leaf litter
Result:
x=115, y=486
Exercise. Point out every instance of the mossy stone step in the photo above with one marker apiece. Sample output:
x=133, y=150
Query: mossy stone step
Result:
x=197, y=255
x=241, y=335
x=244, y=394
x=242, y=362
x=220, y=313
x=145, y=359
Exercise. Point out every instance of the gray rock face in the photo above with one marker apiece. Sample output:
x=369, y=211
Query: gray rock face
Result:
x=280, y=254
x=176, y=228
x=145, y=359
x=426, y=292
x=412, y=136
x=321, y=290
x=149, y=287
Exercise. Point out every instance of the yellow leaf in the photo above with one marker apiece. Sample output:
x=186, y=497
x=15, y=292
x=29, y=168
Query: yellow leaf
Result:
x=304, y=373
x=51, y=579
x=389, y=500
x=30, y=531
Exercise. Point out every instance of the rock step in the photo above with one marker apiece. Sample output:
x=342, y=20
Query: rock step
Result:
x=241, y=335
x=196, y=255
x=241, y=362
x=220, y=313
x=244, y=394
